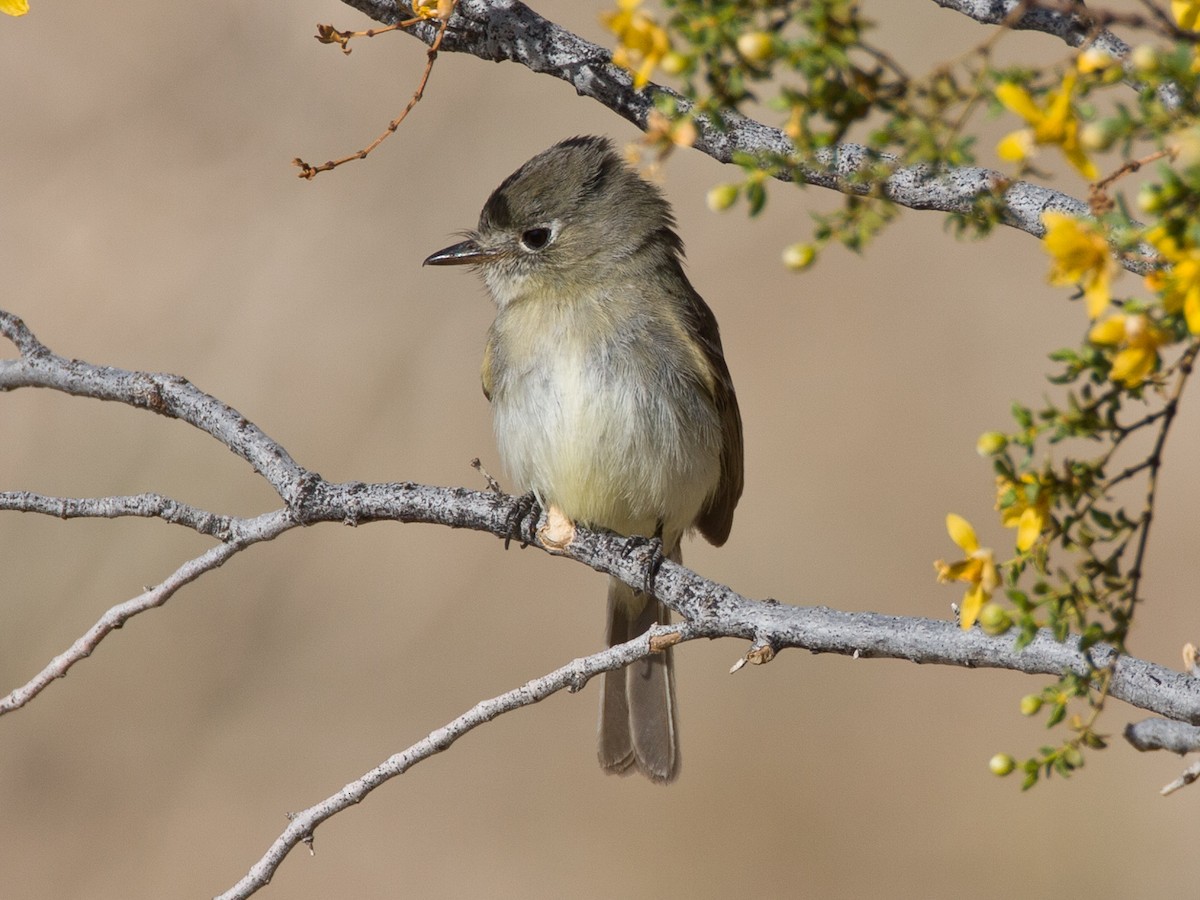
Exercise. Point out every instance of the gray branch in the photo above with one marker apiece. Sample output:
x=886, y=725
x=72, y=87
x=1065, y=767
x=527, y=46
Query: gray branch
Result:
x=572, y=677
x=709, y=609
x=1163, y=734
x=1073, y=24
x=251, y=531
x=509, y=31
x=146, y=506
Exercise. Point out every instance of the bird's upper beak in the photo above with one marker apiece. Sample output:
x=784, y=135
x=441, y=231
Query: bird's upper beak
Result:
x=461, y=254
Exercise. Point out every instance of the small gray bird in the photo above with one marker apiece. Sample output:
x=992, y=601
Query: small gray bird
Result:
x=610, y=396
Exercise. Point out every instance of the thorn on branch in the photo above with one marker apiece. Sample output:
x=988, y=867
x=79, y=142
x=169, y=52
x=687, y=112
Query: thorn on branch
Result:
x=1189, y=660
x=1190, y=774
x=760, y=653
x=308, y=839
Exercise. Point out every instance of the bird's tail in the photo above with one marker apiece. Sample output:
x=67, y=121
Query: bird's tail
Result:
x=638, y=729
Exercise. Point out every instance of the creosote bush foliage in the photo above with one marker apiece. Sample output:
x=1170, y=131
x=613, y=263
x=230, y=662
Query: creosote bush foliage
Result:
x=1079, y=501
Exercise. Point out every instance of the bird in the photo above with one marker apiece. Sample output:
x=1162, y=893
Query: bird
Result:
x=611, y=400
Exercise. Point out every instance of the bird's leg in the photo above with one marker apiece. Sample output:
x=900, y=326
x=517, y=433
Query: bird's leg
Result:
x=558, y=530
x=520, y=521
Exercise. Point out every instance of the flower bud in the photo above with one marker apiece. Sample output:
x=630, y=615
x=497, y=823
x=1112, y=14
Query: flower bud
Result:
x=1150, y=198
x=990, y=443
x=994, y=619
x=1002, y=764
x=798, y=257
x=722, y=197
x=1095, y=136
x=674, y=63
x=1144, y=58
x=1186, y=145
x=1030, y=704
x=755, y=46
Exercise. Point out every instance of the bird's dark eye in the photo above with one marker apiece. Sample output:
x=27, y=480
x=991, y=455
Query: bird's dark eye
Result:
x=535, y=238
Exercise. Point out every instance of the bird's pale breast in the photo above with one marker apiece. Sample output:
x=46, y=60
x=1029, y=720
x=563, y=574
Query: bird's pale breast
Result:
x=611, y=424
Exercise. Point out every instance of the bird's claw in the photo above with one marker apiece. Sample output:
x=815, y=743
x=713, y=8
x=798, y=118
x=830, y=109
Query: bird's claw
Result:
x=522, y=519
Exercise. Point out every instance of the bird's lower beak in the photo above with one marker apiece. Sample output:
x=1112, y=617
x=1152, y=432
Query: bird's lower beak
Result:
x=461, y=254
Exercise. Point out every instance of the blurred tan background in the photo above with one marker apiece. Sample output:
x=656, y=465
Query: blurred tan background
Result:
x=151, y=220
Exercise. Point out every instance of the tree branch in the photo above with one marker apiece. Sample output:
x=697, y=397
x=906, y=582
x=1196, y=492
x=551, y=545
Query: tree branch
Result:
x=709, y=609
x=1076, y=26
x=167, y=395
x=572, y=677
x=146, y=506
x=251, y=531
x=508, y=30
x=1163, y=734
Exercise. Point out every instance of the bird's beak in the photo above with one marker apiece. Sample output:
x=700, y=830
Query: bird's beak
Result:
x=462, y=254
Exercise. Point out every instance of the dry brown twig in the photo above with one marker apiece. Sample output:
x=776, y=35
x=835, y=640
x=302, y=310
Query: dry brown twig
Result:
x=327, y=34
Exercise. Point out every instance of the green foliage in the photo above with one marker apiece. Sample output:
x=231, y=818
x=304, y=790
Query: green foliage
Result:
x=1082, y=502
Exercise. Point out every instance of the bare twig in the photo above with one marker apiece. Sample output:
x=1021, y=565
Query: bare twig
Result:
x=139, y=505
x=572, y=677
x=261, y=528
x=328, y=34
x=1190, y=774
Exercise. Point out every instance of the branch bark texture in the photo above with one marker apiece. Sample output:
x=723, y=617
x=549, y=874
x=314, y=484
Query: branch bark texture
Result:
x=711, y=609
x=509, y=31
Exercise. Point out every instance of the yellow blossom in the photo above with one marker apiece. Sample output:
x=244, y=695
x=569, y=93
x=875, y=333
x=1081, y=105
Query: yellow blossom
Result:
x=1186, y=13
x=1179, y=285
x=1137, y=340
x=1094, y=60
x=14, y=7
x=642, y=41
x=978, y=570
x=441, y=9
x=1018, y=511
x=1081, y=256
x=1053, y=123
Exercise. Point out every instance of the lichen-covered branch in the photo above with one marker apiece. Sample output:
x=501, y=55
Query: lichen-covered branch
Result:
x=508, y=30
x=709, y=609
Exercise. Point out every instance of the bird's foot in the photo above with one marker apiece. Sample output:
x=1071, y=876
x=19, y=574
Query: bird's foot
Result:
x=525, y=514
x=657, y=555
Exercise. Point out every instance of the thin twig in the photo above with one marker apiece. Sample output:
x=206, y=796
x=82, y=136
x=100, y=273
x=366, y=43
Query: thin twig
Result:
x=261, y=528
x=309, y=172
x=571, y=677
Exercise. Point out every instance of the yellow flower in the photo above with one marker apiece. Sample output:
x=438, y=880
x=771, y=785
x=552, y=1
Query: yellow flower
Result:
x=1081, y=256
x=1094, y=60
x=1019, y=512
x=1186, y=13
x=1054, y=123
x=1137, y=340
x=1179, y=285
x=14, y=7
x=642, y=41
x=978, y=569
